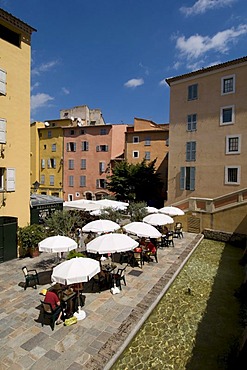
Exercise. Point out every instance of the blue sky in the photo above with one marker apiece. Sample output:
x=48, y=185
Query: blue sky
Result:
x=115, y=54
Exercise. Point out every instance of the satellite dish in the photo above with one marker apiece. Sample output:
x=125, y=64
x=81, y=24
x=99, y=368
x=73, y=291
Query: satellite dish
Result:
x=72, y=118
x=79, y=124
x=78, y=119
x=46, y=123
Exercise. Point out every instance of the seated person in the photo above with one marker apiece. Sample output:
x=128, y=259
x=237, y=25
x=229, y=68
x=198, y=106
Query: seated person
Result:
x=52, y=298
x=165, y=230
x=150, y=249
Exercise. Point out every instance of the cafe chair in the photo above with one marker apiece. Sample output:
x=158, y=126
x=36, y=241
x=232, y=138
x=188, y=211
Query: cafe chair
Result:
x=119, y=277
x=154, y=255
x=48, y=314
x=178, y=230
x=98, y=280
x=138, y=257
x=31, y=277
x=170, y=241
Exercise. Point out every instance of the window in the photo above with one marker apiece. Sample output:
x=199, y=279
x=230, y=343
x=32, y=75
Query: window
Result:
x=82, y=181
x=54, y=148
x=84, y=146
x=191, y=122
x=51, y=163
x=92, y=123
x=187, y=178
x=147, y=141
x=190, y=151
x=135, y=139
x=103, y=131
x=102, y=148
x=100, y=183
x=3, y=80
x=147, y=156
x=228, y=85
x=232, y=175
x=72, y=132
x=42, y=163
x=83, y=164
x=101, y=167
x=2, y=131
x=227, y=115
x=42, y=179
x=135, y=154
x=71, y=181
x=233, y=144
x=51, y=179
x=192, y=92
x=44, y=146
x=71, y=147
x=82, y=132
x=71, y=164
x=49, y=134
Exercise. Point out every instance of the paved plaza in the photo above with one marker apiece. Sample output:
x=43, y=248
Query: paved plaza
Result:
x=90, y=343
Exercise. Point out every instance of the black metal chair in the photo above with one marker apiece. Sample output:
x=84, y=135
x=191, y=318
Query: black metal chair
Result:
x=99, y=280
x=31, y=277
x=48, y=314
x=138, y=258
x=119, y=276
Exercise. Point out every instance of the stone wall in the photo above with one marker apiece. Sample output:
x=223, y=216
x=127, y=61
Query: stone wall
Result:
x=233, y=238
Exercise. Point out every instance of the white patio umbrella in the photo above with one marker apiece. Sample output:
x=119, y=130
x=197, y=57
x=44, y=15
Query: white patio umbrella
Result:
x=151, y=209
x=172, y=211
x=111, y=243
x=57, y=244
x=158, y=219
x=75, y=270
x=142, y=229
x=101, y=226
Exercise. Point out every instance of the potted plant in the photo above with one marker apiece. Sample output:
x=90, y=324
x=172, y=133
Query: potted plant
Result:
x=28, y=239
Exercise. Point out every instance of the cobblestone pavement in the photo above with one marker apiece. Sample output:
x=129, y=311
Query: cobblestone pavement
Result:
x=91, y=343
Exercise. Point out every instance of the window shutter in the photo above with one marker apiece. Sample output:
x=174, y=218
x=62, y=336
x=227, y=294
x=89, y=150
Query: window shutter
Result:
x=189, y=128
x=193, y=150
x=3, y=80
x=87, y=145
x=106, y=148
x=74, y=147
x=2, y=131
x=68, y=147
x=97, y=148
x=54, y=162
x=48, y=163
x=97, y=183
x=42, y=163
x=10, y=179
x=182, y=178
x=192, y=178
x=188, y=151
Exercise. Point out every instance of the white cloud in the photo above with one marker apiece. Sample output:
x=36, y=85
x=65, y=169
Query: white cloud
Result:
x=196, y=46
x=134, y=82
x=34, y=86
x=65, y=91
x=146, y=70
x=44, y=67
x=163, y=82
x=201, y=6
x=40, y=100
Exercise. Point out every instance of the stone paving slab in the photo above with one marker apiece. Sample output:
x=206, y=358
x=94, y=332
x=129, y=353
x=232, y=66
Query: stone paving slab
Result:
x=92, y=342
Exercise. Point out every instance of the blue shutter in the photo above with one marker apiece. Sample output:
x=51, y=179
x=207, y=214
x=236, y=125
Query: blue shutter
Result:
x=189, y=127
x=192, y=178
x=182, y=178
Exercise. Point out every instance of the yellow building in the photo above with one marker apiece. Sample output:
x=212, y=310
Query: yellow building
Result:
x=149, y=140
x=47, y=157
x=15, y=46
x=207, y=153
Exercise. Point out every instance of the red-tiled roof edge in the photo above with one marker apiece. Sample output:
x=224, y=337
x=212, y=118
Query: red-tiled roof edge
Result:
x=207, y=69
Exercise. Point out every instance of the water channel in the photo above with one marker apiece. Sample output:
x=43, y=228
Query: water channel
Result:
x=196, y=323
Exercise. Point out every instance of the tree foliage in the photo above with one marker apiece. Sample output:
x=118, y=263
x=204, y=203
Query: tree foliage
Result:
x=62, y=223
x=138, y=182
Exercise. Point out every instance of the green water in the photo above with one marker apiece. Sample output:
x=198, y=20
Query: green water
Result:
x=196, y=323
